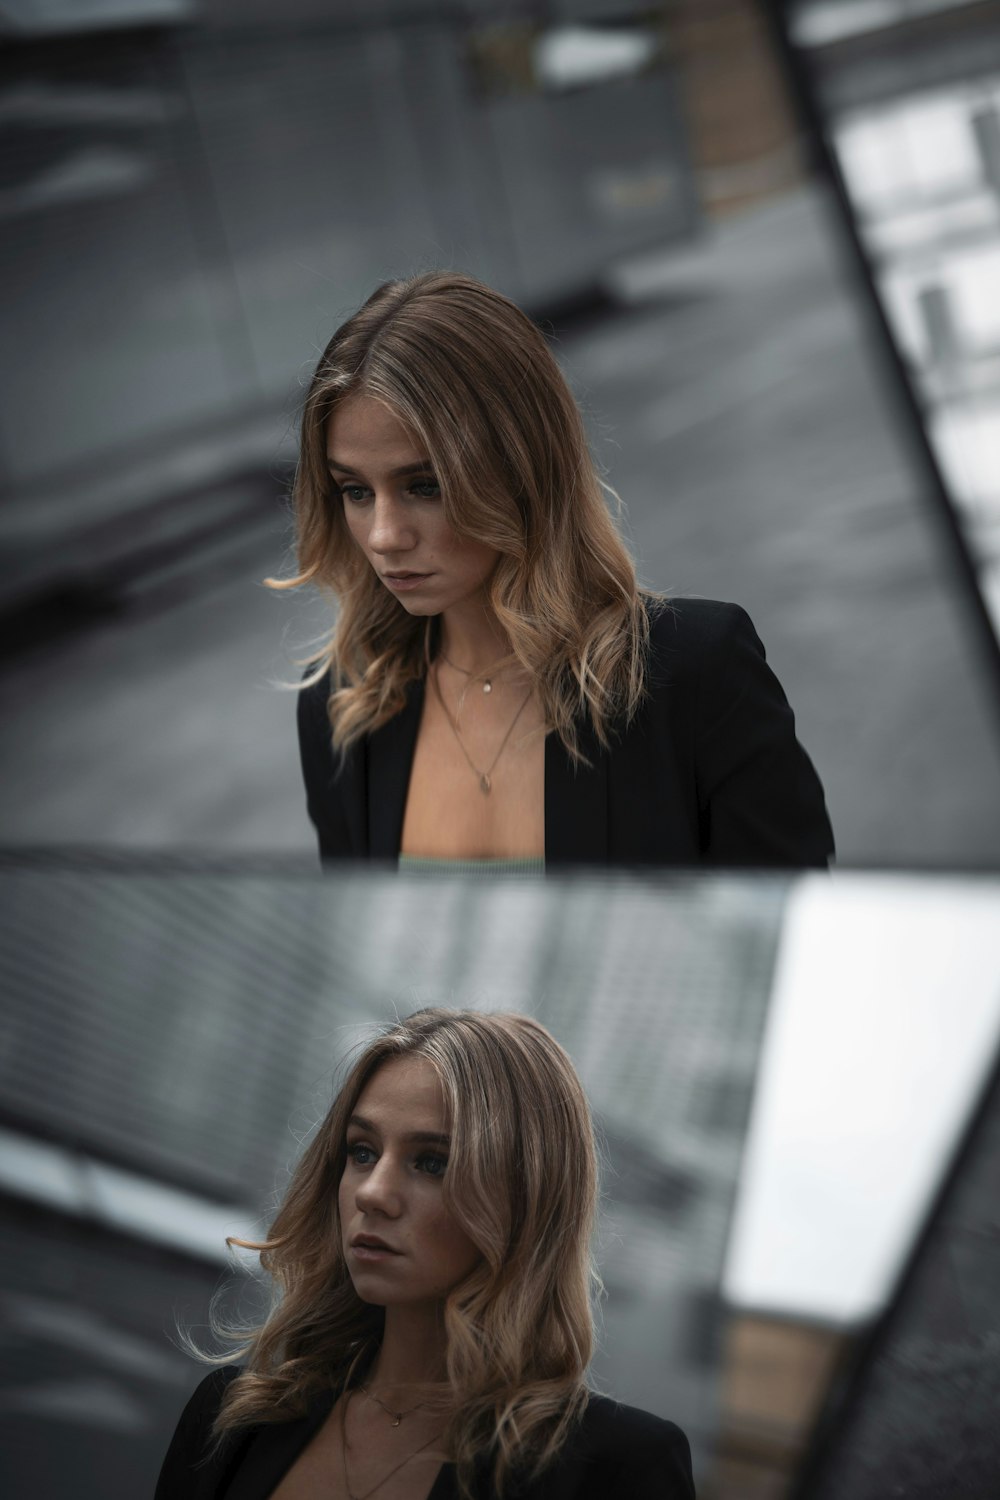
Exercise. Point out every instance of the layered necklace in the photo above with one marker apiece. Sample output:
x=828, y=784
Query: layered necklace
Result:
x=484, y=776
x=487, y=676
x=397, y=1417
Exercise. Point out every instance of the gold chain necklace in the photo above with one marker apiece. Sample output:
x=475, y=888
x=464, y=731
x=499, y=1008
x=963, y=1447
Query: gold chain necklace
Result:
x=351, y=1495
x=467, y=671
x=397, y=1416
x=485, y=784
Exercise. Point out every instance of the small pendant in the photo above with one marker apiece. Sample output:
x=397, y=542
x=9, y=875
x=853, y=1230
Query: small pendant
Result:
x=487, y=686
x=485, y=784
x=398, y=1420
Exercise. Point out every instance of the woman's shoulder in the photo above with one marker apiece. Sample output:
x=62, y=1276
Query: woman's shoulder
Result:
x=608, y=1427
x=190, y=1468
x=203, y=1404
x=692, y=641
x=682, y=624
x=617, y=1452
x=208, y=1393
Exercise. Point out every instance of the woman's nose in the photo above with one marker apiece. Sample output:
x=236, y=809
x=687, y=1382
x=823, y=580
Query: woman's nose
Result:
x=378, y=1190
x=390, y=529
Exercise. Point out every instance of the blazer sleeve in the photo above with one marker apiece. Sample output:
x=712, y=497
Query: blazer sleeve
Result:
x=760, y=800
x=321, y=772
x=193, y=1468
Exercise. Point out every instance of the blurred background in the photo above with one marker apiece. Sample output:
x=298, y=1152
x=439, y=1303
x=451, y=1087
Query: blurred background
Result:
x=765, y=243
x=194, y=194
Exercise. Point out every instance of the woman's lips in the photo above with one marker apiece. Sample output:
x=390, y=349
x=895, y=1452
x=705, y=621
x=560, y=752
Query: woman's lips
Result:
x=402, y=581
x=371, y=1250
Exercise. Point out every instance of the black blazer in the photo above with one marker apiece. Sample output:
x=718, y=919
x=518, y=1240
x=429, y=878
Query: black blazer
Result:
x=616, y=1453
x=709, y=771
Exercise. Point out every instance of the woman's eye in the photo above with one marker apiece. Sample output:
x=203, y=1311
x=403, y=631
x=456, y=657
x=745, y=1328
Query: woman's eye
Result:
x=360, y=1154
x=426, y=489
x=357, y=494
x=432, y=1164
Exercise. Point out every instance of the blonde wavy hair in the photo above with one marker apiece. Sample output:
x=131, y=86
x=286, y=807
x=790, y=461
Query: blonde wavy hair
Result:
x=522, y=1184
x=470, y=375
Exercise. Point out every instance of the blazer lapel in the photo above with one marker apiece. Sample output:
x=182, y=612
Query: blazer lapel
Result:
x=576, y=797
x=390, y=758
x=352, y=790
x=576, y=803
x=273, y=1449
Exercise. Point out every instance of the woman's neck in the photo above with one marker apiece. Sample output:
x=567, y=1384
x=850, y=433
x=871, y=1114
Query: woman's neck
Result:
x=471, y=636
x=412, y=1351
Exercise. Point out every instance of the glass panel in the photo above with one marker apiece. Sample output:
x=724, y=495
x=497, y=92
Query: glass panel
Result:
x=909, y=99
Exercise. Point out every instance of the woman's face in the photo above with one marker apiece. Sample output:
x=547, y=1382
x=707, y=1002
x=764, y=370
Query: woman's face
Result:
x=401, y=1244
x=392, y=506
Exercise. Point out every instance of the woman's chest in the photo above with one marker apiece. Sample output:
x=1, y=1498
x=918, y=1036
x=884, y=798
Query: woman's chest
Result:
x=385, y=1465
x=477, y=782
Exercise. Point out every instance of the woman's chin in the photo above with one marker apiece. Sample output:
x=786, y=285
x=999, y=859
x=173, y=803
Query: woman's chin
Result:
x=365, y=1292
x=420, y=607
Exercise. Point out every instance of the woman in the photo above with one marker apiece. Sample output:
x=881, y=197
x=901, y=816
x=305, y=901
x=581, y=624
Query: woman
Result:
x=434, y=1329
x=497, y=690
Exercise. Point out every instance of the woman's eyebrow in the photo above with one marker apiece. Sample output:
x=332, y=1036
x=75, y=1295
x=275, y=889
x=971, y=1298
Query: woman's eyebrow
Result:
x=424, y=467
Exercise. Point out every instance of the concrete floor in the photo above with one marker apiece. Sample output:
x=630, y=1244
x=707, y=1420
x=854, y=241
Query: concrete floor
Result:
x=736, y=406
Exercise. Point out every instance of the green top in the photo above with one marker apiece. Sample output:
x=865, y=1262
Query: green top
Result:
x=411, y=864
